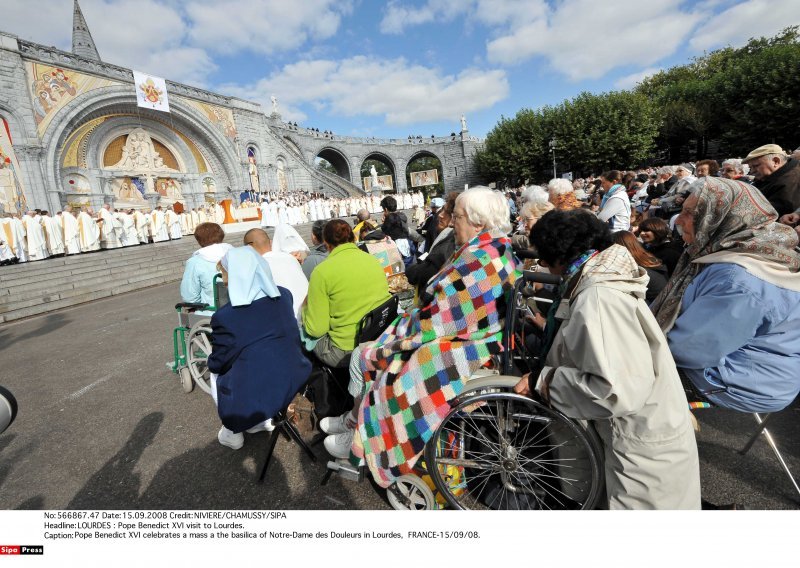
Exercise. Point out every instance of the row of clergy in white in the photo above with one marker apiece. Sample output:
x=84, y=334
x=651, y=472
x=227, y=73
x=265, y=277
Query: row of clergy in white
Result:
x=36, y=235
x=288, y=211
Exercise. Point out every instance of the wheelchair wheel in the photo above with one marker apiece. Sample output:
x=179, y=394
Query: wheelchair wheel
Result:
x=410, y=493
x=198, y=348
x=187, y=382
x=511, y=452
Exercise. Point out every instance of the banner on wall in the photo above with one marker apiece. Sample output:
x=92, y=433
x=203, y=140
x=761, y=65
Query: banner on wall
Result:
x=12, y=193
x=384, y=182
x=151, y=91
x=427, y=177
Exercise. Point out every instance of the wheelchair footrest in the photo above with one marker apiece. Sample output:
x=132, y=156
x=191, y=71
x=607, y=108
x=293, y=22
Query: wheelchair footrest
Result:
x=345, y=469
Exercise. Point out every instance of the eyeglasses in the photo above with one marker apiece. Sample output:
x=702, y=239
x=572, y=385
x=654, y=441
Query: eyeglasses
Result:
x=458, y=216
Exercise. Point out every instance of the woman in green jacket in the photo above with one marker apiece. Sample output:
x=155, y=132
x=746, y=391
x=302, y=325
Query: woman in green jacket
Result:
x=343, y=288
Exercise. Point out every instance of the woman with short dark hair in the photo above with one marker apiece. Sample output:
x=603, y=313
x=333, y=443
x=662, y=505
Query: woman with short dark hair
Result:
x=606, y=361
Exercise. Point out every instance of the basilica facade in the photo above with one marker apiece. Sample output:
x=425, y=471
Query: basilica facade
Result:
x=72, y=133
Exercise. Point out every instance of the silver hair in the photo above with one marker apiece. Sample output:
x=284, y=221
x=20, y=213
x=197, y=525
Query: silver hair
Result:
x=666, y=170
x=535, y=194
x=486, y=207
x=559, y=186
x=737, y=164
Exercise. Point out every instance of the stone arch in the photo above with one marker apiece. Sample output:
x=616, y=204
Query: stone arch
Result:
x=384, y=158
x=256, y=151
x=422, y=154
x=337, y=159
x=217, y=150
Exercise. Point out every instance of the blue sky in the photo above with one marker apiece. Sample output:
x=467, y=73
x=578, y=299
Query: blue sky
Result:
x=390, y=69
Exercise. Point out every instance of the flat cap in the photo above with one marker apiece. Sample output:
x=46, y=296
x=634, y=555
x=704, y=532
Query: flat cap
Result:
x=764, y=150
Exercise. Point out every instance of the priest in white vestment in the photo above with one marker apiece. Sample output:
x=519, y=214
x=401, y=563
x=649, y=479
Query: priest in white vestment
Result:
x=173, y=221
x=53, y=234
x=219, y=214
x=88, y=231
x=142, y=226
x=130, y=237
x=110, y=229
x=20, y=247
x=72, y=240
x=158, y=226
x=37, y=245
x=8, y=238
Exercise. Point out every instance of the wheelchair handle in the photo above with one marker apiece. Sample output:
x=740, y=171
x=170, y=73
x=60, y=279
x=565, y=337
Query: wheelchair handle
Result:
x=541, y=277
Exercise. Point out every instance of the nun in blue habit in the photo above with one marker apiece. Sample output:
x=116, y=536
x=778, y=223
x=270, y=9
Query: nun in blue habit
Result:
x=256, y=354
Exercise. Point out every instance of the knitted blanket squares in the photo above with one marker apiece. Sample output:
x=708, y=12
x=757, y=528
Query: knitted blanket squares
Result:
x=424, y=358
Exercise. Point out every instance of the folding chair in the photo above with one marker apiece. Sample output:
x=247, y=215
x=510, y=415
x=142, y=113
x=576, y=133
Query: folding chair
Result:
x=369, y=328
x=698, y=401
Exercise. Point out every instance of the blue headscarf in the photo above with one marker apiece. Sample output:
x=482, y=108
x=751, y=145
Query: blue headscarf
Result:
x=249, y=277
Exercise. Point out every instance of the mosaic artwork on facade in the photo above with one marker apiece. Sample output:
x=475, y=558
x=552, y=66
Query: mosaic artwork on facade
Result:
x=52, y=88
x=221, y=118
x=12, y=194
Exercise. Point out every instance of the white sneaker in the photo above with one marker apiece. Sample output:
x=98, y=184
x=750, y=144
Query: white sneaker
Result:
x=266, y=426
x=335, y=424
x=338, y=445
x=228, y=438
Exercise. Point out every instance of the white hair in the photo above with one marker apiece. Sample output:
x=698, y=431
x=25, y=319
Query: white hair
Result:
x=737, y=164
x=666, y=170
x=486, y=207
x=535, y=194
x=559, y=186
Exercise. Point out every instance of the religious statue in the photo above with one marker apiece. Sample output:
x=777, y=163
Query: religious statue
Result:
x=463, y=123
x=374, y=175
x=140, y=154
x=274, y=101
x=252, y=168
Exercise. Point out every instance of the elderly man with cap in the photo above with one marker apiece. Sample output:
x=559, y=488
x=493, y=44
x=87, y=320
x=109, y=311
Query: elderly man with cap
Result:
x=430, y=228
x=777, y=176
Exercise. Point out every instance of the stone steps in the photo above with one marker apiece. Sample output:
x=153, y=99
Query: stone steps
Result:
x=39, y=287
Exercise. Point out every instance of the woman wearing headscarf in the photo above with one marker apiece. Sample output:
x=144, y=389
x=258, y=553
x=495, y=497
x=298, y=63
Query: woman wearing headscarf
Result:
x=425, y=357
x=256, y=351
x=606, y=361
x=739, y=273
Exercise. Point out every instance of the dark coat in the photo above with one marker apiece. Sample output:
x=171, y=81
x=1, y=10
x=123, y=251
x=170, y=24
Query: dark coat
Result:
x=256, y=352
x=667, y=252
x=418, y=274
x=395, y=226
x=430, y=229
x=782, y=187
x=658, y=279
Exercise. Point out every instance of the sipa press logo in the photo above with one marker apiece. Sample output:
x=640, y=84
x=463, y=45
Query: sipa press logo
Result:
x=21, y=549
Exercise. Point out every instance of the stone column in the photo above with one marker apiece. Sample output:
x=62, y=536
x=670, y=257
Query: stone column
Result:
x=400, y=176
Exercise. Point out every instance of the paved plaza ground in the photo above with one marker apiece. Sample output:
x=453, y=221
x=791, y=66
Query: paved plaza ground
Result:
x=103, y=424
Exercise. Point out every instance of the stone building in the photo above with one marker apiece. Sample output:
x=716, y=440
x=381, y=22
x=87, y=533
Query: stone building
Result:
x=72, y=133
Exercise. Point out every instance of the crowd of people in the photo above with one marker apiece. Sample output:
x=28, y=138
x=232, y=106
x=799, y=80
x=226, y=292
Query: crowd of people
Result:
x=297, y=207
x=631, y=337
x=38, y=235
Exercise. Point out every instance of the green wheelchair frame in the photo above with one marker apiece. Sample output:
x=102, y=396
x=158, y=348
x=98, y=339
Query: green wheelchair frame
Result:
x=190, y=343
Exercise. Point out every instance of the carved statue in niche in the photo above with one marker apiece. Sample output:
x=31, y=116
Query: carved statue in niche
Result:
x=139, y=154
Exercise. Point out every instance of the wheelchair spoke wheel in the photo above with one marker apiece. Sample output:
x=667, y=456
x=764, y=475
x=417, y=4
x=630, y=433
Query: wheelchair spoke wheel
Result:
x=500, y=450
x=410, y=493
x=198, y=348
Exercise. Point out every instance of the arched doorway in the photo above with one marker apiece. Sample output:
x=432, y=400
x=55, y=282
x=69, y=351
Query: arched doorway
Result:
x=334, y=162
x=424, y=173
x=384, y=170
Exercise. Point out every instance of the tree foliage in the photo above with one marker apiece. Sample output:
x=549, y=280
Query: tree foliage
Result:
x=724, y=103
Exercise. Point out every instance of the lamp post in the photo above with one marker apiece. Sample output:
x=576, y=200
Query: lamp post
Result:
x=553, y=143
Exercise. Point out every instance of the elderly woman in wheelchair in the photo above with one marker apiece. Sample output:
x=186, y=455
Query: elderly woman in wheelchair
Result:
x=404, y=381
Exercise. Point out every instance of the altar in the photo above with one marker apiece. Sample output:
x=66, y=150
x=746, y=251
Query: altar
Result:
x=247, y=214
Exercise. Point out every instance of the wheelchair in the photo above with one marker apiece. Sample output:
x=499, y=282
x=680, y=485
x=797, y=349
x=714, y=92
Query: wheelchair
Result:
x=191, y=339
x=496, y=449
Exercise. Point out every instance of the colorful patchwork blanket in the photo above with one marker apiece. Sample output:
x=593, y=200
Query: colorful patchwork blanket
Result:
x=424, y=358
